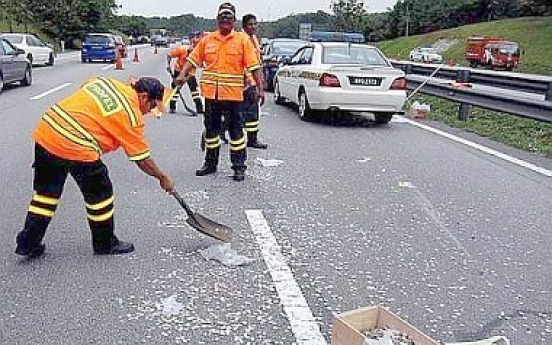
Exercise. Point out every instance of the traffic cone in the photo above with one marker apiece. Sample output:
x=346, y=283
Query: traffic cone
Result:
x=135, y=59
x=155, y=50
x=118, y=62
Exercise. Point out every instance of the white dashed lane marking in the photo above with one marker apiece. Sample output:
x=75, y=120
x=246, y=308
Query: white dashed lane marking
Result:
x=57, y=88
x=303, y=325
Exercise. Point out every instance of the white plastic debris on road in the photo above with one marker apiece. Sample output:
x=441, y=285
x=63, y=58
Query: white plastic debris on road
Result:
x=268, y=162
x=496, y=340
x=224, y=254
x=170, y=306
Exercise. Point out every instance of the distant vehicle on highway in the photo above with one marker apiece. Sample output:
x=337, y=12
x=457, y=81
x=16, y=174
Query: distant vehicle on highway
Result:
x=99, y=46
x=14, y=66
x=493, y=52
x=336, y=36
x=425, y=54
x=160, y=41
x=326, y=77
x=274, y=50
x=36, y=52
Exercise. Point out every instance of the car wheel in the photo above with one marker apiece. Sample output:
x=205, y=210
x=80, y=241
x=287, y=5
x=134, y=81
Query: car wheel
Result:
x=305, y=112
x=278, y=99
x=50, y=60
x=28, y=78
x=383, y=118
x=1, y=83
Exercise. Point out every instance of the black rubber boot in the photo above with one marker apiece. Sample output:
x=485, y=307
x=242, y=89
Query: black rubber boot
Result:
x=111, y=246
x=239, y=174
x=206, y=170
x=29, y=241
x=254, y=143
x=33, y=253
x=211, y=162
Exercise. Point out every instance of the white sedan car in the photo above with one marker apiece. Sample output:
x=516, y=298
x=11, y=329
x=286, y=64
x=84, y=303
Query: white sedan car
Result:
x=337, y=76
x=36, y=52
x=425, y=54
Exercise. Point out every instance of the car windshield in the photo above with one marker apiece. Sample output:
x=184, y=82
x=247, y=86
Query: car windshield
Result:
x=14, y=39
x=286, y=48
x=353, y=55
x=97, y=39
x=509, y=49
x=428, y=50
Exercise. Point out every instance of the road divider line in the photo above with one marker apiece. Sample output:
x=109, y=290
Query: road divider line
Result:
x=57, y=88
x=302, y=322
x=482, y=148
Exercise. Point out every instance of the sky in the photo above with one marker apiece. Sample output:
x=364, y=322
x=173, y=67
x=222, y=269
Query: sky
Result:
x=265, y=10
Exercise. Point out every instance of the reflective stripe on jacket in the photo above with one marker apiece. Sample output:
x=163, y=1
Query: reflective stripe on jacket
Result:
x=103, y=115
x=250, y=80
x=225, y=59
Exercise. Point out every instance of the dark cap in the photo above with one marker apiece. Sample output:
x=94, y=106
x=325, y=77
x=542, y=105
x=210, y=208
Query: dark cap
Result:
x=151, y=86
x=227, y=8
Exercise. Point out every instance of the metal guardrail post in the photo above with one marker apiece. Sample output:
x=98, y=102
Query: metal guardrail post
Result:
x=464, y=111
x=463, y=76
x=548, y=95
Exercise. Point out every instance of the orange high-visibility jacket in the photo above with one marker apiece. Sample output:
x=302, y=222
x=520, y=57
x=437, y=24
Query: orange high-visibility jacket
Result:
x=257, y=46
x=179, y=53
x=225, y=58
x=103, y=115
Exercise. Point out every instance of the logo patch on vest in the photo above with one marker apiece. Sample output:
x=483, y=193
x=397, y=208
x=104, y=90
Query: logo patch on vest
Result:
x=104, y=98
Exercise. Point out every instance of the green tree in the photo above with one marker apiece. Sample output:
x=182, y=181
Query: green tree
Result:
x=350, y=15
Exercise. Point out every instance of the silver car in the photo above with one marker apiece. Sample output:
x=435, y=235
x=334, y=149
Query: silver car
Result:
x=14, y=66
x=337, y=76
x=36, y=51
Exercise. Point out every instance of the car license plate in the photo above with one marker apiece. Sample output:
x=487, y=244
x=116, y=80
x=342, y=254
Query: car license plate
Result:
x=365, y=81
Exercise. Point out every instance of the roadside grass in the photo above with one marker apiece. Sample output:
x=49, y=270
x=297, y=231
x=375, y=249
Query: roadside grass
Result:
x=532, y=33
x=525, y=134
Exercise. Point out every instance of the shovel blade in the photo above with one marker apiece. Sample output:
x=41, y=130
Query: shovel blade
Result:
x=210, y=227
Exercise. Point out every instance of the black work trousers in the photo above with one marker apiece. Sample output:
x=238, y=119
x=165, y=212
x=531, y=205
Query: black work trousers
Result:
x=50, y=174
x=231, y=110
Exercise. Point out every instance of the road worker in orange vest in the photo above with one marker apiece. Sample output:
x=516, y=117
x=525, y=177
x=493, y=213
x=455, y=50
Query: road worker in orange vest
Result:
x=179, y=55
x=225, y=54
x=101, y=116
x=250, y=101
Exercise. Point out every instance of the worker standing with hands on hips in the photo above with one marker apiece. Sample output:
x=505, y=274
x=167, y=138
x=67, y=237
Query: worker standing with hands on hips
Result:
x=226, y=54
x=101, y=116
x=180, y=53
x=250, y=101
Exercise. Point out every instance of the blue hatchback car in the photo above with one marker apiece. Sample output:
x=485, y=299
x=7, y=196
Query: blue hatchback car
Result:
x=99, y=46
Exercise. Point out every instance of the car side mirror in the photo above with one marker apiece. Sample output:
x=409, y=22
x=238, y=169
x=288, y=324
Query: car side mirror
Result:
x=19, y=51
x=284, y=61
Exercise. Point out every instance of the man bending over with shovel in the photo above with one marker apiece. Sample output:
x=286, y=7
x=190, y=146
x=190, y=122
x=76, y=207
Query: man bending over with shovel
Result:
x=103, y=115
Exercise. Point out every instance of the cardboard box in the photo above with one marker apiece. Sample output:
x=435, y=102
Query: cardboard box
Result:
x=347, y=327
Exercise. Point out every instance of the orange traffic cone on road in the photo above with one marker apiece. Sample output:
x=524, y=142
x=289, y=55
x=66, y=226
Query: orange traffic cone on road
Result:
x=118, y=62
x=135, y=59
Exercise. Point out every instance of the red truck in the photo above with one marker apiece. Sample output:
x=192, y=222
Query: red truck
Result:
x=493, y=52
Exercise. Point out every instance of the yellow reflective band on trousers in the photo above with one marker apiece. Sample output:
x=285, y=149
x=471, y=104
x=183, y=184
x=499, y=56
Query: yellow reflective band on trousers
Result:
x=212, y=143
x=101, y=211
x=252, y=126
x=43, y=205
x=237, y=145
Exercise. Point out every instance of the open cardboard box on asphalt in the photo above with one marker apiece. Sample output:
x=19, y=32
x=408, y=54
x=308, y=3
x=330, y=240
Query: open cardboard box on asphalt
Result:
x=347, y=327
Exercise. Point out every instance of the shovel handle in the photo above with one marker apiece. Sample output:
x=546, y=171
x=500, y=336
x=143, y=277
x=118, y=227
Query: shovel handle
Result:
x=183, y=204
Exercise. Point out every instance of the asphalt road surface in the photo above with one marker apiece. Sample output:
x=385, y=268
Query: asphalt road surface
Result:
x=447, y=230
